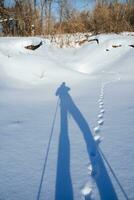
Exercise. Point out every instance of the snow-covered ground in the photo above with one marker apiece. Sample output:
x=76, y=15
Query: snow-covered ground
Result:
x=101, y=79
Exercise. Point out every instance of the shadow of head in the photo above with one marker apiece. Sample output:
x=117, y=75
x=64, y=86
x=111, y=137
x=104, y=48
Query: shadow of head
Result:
x=62, y=90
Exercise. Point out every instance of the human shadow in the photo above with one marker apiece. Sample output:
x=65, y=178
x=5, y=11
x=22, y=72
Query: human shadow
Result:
x=64, y=189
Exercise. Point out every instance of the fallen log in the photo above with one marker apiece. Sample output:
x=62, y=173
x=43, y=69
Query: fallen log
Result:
x=33, y=47
x=94, y=40
x=86, y=40
x=132, y=45
x=82, y=42
x=116, y=46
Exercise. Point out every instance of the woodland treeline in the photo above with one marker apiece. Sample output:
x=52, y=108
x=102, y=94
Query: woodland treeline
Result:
x=44, y=17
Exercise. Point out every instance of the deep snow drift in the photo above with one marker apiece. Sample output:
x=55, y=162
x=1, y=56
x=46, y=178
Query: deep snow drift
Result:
x=101, y=80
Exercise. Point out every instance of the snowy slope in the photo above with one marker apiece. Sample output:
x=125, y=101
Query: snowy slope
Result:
x=101, y=78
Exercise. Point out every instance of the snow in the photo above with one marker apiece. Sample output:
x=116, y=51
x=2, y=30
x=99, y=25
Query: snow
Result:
x=97, y=129
x=101, y=84
x=87, y=190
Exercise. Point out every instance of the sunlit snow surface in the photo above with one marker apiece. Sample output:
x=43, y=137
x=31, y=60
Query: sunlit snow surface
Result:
x=102, y=87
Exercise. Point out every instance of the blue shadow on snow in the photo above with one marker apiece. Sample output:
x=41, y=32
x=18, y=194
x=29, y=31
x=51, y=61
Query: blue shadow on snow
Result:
x=64, y=190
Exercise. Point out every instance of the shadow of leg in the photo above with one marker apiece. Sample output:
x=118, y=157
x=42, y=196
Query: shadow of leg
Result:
x=64, y=189
x=99, y=171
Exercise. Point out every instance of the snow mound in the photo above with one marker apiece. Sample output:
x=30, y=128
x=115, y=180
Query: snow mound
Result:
x=37, y=67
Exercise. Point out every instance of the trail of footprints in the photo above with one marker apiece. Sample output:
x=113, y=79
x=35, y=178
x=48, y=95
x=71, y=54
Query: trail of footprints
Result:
x=100, y=116
x=87, y=189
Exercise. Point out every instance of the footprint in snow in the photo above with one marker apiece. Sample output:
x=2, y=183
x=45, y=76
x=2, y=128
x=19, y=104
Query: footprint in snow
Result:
x=100, y=100
x=87, y=192
x=101, y=103
x=101, y=122
x=97, y=129
x=101, y=106
x=102, y=111
x=97, y=139
x=90, y=169
x=102, y=97
x=100, y=116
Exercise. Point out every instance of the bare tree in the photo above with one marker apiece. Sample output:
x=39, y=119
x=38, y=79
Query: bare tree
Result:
x=63, y=9
x=49, y=2
x=2, y=3
x=42, y=9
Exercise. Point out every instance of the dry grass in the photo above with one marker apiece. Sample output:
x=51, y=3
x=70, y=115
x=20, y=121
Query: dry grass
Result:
x=113, y=18
x=104, y=18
